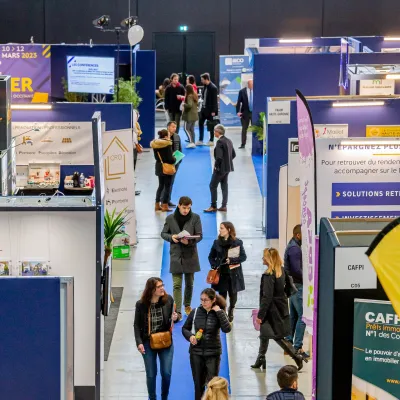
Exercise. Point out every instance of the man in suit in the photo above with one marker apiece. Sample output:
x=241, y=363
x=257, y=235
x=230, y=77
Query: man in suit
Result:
x=209, y=108
x=224, y=153
x=244, y=109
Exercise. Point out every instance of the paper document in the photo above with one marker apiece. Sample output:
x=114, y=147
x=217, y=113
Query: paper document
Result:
x=187, y=235
x=178, y=156
x=234, y=252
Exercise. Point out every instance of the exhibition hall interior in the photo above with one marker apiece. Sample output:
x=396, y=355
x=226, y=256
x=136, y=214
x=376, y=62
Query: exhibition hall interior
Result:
x=199, y=200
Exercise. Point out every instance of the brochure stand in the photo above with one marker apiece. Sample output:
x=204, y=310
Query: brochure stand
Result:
x=63, y=236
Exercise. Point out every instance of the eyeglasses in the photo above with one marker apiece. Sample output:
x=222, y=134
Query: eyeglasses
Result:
x=204, y=300
x=160, y=286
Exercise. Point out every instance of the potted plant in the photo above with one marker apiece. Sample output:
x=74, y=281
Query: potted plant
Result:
x=258, y=134
x=127, y=92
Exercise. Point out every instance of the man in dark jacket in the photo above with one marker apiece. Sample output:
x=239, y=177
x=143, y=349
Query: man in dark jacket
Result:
x=184, y=258
x=293, y=261
x=224, y=153
x=209, y=108
x=244, y=109
x=288, y=381
x=174, y=95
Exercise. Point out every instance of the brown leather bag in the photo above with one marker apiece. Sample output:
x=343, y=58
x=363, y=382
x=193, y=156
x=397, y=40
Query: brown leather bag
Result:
x=159, y=340
x=167, y=169
x=213, y=276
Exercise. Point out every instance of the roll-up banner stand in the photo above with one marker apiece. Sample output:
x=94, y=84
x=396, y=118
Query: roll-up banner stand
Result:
x=234, y=73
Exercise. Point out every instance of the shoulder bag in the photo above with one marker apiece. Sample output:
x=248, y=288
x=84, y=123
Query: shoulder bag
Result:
x=159, y=340
x=167, y=169
x=213, y=276
x=194, y=319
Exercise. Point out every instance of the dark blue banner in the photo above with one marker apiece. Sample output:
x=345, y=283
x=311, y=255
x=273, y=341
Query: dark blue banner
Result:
x=365, y=214
x=366, y=194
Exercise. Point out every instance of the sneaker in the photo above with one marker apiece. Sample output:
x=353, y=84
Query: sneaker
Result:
x=191, y=146
x=179, y=317
x=188, y=310
x=199, y=143
x=210, y=144
x=303, y=354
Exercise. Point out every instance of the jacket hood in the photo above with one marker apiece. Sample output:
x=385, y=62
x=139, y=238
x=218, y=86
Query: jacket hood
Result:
x=160, y=143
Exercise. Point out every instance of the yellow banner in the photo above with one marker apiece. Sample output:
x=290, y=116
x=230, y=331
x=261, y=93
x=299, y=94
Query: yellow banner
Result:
x=383, y=131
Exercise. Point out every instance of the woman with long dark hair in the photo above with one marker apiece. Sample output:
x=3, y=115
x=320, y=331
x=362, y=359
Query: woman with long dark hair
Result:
x=154, y=314
x=202, y=330
x=191, y=80
x=273, y=315
x=160, y=92
x=227, y=254
x=190, y=114
x=162, y=148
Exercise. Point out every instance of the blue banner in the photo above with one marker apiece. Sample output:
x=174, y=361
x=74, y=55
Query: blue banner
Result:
x=366, y=194
x=365, y=214
x=234, y=72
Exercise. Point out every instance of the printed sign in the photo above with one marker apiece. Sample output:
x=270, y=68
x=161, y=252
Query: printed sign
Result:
x=383, y=131
x=119, y=176
x=278, y=112
x=366, y=214
x=30, y=70
x=382, y=87
x=234, y=74
x=331, y=131
x=293, y=163
x=376, y=355
x=353, y=270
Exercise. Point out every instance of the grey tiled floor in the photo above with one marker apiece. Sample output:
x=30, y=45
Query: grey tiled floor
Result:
x=123, y=377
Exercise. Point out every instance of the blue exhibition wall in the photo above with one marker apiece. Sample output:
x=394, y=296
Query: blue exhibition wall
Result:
x=115, y=116
x=143, y=65
x=322, y=113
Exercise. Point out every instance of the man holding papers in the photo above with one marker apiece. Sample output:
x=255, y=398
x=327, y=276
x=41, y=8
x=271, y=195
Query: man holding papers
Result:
x=183, y=230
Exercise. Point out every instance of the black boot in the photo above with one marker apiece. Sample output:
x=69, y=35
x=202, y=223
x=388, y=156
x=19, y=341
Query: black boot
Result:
x=230, y=314
x=289, y=349
x=260, y=362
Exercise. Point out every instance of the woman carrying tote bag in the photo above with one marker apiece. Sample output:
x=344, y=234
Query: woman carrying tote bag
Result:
x=273, y=315
x=163, y=154
x=154, y=316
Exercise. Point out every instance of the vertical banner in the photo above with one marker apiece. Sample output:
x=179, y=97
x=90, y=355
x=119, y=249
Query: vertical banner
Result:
x=376, y=355
x=234, y=72
x=30, y=69
x=308, y=203
x=120, y=177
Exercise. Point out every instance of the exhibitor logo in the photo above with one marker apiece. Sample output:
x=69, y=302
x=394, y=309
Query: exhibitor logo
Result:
x=115, y=159
x=294, y=147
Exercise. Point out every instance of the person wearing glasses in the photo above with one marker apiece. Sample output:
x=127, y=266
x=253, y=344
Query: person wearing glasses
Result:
x=202, y=329
x=160, y=305
x=273, y=315
x=227, y=254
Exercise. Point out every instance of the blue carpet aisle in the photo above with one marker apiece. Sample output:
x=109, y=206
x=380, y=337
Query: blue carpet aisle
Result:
x=192, y=180
x=258, y=166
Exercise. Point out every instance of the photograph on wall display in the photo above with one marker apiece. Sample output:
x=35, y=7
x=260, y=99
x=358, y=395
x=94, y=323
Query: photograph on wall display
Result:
x=34, y=268
x=5, y=268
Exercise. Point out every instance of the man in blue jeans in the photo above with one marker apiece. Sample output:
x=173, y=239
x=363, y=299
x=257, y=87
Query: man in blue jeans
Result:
x=293, y=262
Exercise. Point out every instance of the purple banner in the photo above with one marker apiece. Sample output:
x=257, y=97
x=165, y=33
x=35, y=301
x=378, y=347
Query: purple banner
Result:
x=30, y=71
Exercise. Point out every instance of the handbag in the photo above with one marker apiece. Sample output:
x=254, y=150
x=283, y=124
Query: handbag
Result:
x=159, y=340
x=254, y=314
x=139, y=148
x=213, y=276
x=167, y=169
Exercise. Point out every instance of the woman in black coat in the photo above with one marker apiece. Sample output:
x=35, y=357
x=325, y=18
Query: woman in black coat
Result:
x=231, y=274
x=160, y=305
x=163, y=153
x=273, y=315
x=205, y=352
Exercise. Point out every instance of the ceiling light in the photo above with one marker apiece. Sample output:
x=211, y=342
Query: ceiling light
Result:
x=392, y=39
x=31, y=106
x=358, y=103
x=295, y=40
x=393, y=76
x=101, y=22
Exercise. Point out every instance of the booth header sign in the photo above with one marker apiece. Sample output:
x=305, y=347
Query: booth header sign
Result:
x=376, y=355
x=30, y=70
x=278, y=112
x=383, y=131
x=382, y=87
x=353, y=270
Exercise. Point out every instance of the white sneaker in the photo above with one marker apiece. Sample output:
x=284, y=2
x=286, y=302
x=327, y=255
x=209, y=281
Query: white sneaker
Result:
x=211, y=144
x=191, y=146
x=199, y=143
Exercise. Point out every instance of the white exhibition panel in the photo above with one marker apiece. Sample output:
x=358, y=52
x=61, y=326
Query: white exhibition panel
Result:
x=283, y=208
x=67, y=241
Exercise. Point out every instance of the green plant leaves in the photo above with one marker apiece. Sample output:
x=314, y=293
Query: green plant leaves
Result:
x=127, y=92
x=112, y=226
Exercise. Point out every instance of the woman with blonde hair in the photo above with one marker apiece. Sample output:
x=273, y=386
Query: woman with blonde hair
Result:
x=217, y=389
x=273, y=315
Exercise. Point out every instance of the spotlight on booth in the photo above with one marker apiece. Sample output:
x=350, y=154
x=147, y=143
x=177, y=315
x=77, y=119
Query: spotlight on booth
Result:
x=102, y=22
x=391, y=39
x=295, y=40
x=393, y=76
x=129, y=22
x=31, y=106
x=358, y=103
